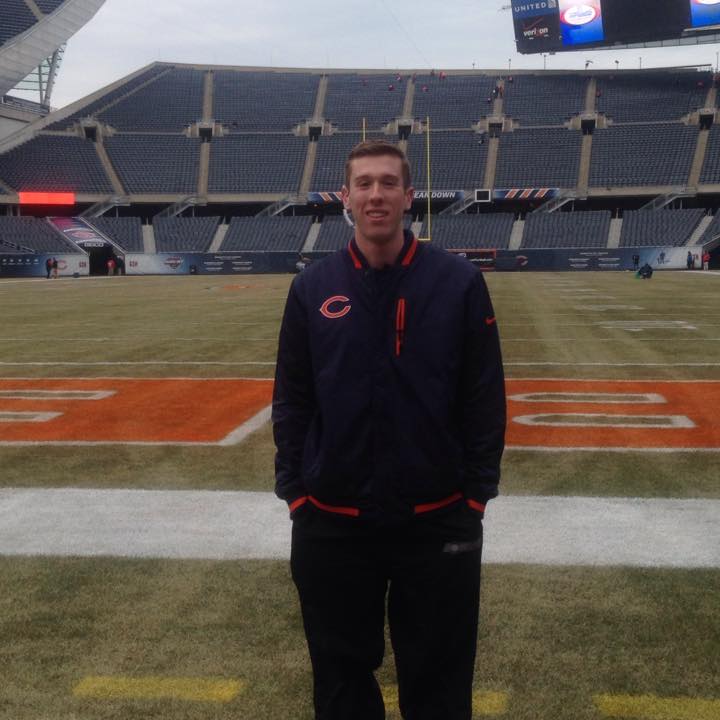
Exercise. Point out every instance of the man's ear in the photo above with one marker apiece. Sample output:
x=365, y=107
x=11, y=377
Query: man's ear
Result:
x=409, y=195
x=345, y=195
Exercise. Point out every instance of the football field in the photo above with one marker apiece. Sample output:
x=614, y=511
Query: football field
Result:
x=113, y=387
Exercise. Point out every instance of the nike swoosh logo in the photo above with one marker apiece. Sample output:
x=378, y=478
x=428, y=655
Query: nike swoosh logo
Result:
x=490, y=321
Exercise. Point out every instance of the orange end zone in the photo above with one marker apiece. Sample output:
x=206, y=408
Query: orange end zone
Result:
x=173, y=411
x=688, y=410
x=148, y=410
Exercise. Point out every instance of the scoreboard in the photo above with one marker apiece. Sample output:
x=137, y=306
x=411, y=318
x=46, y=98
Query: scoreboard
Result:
x=564, y=25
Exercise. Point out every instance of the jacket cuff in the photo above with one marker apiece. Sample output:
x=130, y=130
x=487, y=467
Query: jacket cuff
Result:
x=476, y=505
x=296, y=503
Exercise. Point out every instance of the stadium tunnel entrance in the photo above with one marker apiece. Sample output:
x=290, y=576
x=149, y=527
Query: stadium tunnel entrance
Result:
x=99, y=257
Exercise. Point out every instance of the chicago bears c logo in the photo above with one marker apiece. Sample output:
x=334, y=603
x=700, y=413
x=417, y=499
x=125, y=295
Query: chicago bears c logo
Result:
x=341, y=310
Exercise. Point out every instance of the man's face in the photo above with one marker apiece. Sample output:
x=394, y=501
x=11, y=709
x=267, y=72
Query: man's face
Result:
x=376, y=197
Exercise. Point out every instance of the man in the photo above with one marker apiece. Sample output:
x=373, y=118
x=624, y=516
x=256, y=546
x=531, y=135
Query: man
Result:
x=389, y=419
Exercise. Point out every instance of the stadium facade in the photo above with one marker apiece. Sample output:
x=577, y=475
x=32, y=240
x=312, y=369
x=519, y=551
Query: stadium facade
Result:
x=189, y=168
x=32, y=39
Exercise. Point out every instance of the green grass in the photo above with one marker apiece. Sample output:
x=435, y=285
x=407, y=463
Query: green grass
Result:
x=230, y=321
x=577, y=632
x=550, y=637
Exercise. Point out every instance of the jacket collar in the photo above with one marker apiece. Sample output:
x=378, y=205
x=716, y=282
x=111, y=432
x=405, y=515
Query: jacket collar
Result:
x=406, y=256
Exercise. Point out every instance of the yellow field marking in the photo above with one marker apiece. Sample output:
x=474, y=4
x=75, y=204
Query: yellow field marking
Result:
x=484, y=703
x=159, y=688
x=650, y=707
x=490, y=703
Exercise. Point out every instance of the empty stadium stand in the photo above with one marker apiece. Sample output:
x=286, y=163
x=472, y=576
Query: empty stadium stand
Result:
x=161, y=164
x=16, y=19
x=169, y=104
x=636, y=155
x=352, y=97
x=332, y=151
x=334, y=234
x=126, y=232
x=55, y=164
x=262, y=163
x=458, y=160
x=588, y=229
x=711, y=169
x=652, y=96
x=453, y=101
x=659, y=227
x=104, y=101
x=178, y=234
x=33, y=234
x=544, y=99
x=48, y=6
x=255, y=101
x=540, y=157
x=712, y=231
x=470, y=232
x=267, y=234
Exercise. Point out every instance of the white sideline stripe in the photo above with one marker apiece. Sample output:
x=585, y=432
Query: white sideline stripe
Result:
x=603, y=308
x=590, y=398
x=26, y=394
x=680, y=533
x=597, y=420
x=604, y=448
x=140, y=362
x=248, y=427
x=640, y=325
x=508, y=449
x=272, y=363
x=125, y=338
x=96, y=378
x=606, y=364
x=27, y=416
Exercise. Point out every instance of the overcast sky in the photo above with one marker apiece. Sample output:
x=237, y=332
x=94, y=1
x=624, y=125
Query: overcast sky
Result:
x=128, y=34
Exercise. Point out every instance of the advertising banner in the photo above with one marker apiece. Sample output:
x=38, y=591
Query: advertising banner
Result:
x=79, y=232
x=212, y=264
x=34, y=265
x=581, y=22
x=705, y=12
x=529, y=194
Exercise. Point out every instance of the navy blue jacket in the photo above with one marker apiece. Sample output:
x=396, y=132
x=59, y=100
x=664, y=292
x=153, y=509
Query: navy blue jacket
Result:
x=389, y=396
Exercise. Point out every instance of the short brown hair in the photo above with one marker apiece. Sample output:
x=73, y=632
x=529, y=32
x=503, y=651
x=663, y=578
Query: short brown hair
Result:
x=376, y=148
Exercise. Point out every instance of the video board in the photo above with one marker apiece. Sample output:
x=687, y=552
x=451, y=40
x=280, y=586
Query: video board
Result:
x=566, y=25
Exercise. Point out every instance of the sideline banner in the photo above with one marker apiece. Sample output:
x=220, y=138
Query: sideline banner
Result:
x=659, y=258
x=212, y=264
x=34, y=265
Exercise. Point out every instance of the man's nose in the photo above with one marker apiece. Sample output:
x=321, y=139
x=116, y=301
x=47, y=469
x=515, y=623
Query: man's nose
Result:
x=376, y=191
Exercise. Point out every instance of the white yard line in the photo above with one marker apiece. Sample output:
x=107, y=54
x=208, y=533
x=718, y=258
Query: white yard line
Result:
x=234, y=525
x=136, y=363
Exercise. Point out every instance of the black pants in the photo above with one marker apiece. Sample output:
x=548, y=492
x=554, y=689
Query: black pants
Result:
x=433, y=588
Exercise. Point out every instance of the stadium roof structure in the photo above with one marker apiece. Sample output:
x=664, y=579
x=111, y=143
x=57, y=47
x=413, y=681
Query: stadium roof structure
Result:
x=33, y=36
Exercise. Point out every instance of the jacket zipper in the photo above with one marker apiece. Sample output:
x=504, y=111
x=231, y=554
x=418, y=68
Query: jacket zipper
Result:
x=399, y=326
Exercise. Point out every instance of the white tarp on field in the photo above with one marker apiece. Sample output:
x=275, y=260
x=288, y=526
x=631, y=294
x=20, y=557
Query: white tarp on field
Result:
x=679, y=533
